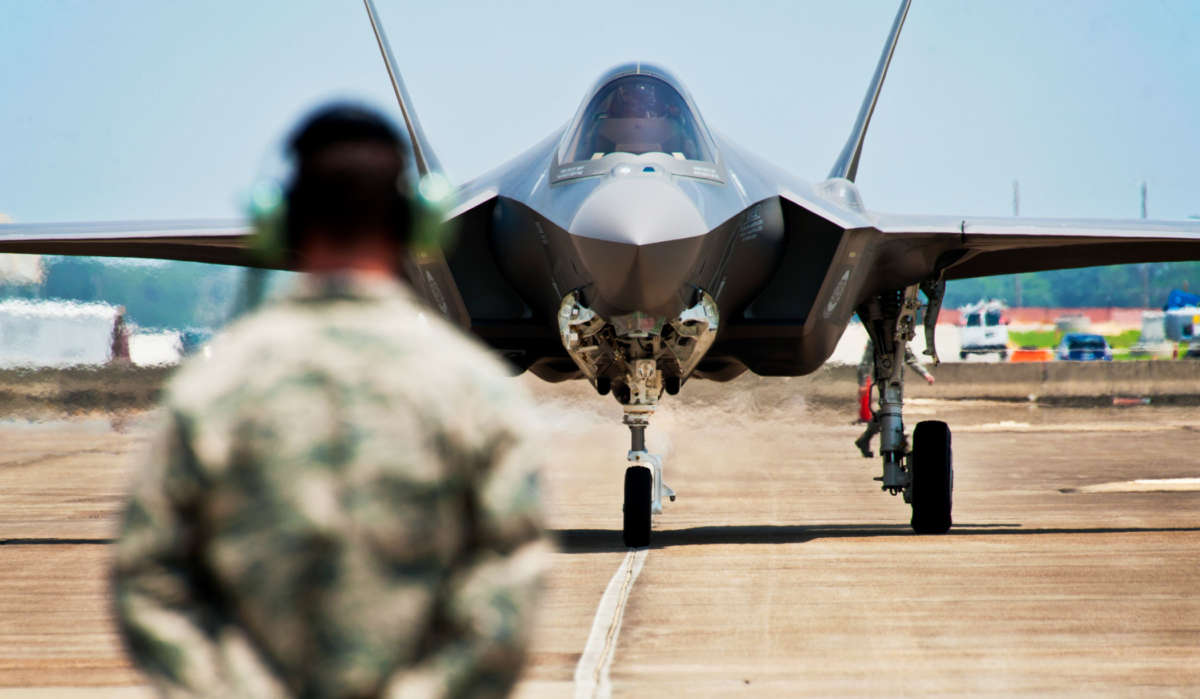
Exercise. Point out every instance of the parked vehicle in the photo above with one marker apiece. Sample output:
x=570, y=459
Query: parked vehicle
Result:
x=1152, y=342
x=1182, y=322
x=1083, y=347
x=983, y=329
x=35, y=333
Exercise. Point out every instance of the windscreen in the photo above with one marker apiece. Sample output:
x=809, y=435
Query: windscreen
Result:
x=1085, y=342
x=637, y=114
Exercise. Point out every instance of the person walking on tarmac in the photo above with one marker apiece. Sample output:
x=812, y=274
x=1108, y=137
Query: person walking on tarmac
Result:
x=866, y=411
x=343, y=501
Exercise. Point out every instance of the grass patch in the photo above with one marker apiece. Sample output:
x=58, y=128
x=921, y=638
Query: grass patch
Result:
x=1033, y=338
x=1051, y=338
x=1125, y=339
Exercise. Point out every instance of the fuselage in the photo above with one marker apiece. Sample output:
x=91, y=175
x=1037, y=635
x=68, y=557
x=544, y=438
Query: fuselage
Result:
x=639, y=220
x=637, y=213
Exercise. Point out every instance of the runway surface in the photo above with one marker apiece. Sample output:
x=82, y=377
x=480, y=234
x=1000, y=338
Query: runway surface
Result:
x=781, y=570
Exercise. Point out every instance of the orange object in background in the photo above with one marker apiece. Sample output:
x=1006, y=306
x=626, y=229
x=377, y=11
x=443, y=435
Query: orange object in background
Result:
x=864, y=401
x=1031, y=355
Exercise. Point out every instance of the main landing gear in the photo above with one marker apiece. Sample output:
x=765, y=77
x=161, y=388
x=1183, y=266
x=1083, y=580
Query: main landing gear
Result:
x=924, y=475
x=931, y=485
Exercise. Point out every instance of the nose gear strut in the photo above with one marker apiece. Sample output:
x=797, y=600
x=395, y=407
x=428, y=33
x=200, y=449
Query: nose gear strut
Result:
x=638, y=456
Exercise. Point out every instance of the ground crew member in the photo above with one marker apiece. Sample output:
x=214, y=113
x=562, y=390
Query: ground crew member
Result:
x=342, y=502
x=866, y=372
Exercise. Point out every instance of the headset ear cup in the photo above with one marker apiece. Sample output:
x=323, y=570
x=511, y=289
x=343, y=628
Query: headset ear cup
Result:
x=269, y=217
x=271, y=236
x=429, y=232
x=429, y=202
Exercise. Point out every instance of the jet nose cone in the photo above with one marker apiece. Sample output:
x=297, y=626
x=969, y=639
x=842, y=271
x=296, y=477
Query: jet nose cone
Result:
x=639, y=238
x=638, y=210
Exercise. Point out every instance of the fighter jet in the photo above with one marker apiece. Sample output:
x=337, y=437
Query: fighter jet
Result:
x=637, y=250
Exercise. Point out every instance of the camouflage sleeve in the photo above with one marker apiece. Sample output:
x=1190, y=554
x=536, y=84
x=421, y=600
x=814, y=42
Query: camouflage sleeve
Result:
x=866, y=365
x=490, y=601
x=914, y=363
x=172, y=630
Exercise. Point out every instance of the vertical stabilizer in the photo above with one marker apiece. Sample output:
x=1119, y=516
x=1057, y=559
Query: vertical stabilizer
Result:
x=847, y=162
x=426, y=161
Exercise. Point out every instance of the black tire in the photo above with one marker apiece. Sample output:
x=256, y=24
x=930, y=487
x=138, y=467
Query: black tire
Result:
x=932, y=478
x=1003, y=355
x=962, y=355
x=638, y=482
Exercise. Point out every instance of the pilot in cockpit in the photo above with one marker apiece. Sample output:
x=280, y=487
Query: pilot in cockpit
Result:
x=640, y=118
x=635, y=100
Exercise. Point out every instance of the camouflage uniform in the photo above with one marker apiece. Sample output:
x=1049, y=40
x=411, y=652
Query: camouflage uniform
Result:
x=866, y=366
x=866, y=370
x=342, y=502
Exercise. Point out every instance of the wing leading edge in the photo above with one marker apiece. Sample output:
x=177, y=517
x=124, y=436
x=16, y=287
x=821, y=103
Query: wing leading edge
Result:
x=216, y=241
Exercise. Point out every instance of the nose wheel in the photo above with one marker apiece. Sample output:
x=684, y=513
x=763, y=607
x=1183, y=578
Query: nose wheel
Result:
x=639, y=483
x=644, y=486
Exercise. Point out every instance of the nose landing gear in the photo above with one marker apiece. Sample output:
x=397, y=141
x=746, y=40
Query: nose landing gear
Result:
x=644, y=486
x=636, y=357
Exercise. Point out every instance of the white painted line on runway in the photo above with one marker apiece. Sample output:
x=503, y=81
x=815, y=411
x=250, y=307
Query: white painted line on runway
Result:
x=591, y=674
x=1142, y=485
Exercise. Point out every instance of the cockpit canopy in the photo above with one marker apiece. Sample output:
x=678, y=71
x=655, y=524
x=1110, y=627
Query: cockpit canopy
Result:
x=638, y=113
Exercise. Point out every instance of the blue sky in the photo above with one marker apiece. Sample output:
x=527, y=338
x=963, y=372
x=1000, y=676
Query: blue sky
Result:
x=145, y=109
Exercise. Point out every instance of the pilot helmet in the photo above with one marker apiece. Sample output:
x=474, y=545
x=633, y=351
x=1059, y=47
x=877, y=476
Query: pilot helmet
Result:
x=636, y=99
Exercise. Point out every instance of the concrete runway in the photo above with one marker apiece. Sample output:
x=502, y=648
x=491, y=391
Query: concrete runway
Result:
x=780, y=571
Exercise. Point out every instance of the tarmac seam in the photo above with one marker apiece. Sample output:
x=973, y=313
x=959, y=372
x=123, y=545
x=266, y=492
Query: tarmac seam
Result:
x=592, y=672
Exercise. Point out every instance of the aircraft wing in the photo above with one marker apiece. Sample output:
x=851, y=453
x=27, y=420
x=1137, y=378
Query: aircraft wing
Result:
x=217, y=241
x=977, y=247
x=838, y=255
x=228, y=242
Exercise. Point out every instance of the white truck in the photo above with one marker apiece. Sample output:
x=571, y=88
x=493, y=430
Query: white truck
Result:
x=983, y=329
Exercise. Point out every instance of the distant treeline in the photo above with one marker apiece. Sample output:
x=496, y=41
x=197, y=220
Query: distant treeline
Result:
x=178, y=295
x=1120, y=286
x=160, y=295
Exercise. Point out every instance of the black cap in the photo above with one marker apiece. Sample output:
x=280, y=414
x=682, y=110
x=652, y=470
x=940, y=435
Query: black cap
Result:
x=342, y=122
x=338, y=186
